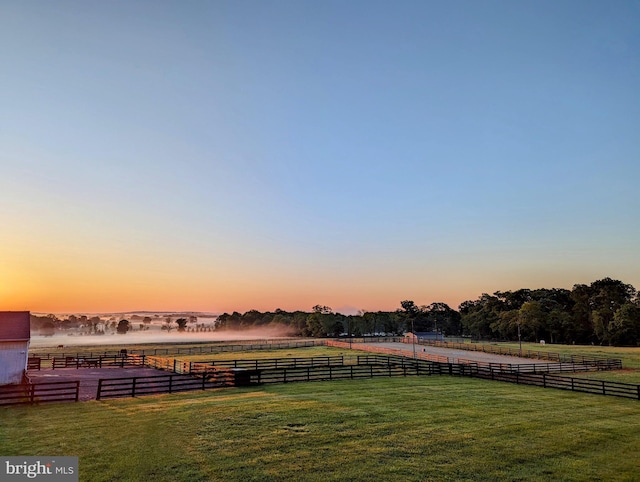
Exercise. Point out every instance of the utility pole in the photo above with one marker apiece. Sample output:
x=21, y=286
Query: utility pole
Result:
x=519, y=338
x=413, y=332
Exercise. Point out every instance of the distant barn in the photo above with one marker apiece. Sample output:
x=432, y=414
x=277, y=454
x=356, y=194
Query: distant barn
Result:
x=14, y=345
x=423, y=336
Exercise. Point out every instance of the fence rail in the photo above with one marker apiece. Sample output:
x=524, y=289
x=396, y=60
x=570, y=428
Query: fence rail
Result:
x=208, y=347
x=377, y=362
x=88, y=362
x=266, y=363
x=336, y=372
x=40, y=393
x=157, y=384
x=547, y=380
x=594, y=361
x=529, y=367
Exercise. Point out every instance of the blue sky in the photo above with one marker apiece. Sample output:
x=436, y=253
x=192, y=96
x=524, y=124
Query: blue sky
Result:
x=262, y=154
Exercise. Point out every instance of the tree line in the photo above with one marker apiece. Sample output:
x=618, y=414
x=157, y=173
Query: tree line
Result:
x=605, y=312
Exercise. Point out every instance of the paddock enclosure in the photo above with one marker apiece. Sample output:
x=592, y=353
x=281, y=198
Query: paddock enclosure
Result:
x=125, y=373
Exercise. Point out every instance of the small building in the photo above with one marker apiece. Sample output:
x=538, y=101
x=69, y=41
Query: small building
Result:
x=14, y=345
x=419, y=336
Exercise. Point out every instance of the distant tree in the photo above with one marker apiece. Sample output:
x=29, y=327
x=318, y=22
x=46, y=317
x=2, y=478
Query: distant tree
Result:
x=322, y=309
x=607, y=297
x=315, y=326
x=123, y=327
x=93, y=323
x=182, y=324
x=625, y=327
x=479, y=316
x=443, y=318
x=48, y=328
x=167, y=325
x=531, y=318
x=409, y=315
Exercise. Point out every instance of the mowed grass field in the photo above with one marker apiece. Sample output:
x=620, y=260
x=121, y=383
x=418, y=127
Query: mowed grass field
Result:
x=396, y=429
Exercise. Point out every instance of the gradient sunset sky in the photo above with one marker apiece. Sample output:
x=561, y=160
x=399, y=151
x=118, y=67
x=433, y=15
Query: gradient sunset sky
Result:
x=230, y=155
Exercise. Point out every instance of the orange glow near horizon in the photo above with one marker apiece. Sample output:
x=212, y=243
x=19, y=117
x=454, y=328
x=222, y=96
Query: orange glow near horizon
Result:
x=63, y=278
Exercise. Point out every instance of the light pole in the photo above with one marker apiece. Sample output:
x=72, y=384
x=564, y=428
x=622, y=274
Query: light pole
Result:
x=413, y=338
x=519, y=339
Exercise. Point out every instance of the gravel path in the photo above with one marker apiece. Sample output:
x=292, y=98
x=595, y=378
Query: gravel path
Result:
x=454, y=355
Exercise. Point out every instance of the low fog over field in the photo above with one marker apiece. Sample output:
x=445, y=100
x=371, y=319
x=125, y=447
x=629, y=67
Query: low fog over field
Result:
x=157, y=337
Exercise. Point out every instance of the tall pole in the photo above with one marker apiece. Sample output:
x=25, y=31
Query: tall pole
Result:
x=413, y=332
x=519, y=339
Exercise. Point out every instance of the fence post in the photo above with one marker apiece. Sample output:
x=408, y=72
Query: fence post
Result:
x=32, y=393
x=133, y=387
x=604, y=391
x=99, y=389
x=544, y=380
x=77, y=390
x=174, y=365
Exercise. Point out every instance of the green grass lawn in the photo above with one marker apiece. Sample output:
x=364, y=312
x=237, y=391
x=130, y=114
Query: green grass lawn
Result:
x=263, y=354
x=397, y=429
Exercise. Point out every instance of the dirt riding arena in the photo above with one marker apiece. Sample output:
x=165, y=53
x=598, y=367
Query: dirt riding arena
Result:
x=89, y=377
x=454, y=356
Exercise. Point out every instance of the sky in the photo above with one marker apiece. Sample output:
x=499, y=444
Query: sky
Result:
x=234, y=155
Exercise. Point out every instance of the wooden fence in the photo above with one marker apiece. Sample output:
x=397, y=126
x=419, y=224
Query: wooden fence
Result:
x=46, y=360
x=548, y=380
x=597, y=362
x=330, y=372
x=88, y=362
x=223, y=347
x=156, y=384
x=40, y=393
x=529, y=367
x=266, y=363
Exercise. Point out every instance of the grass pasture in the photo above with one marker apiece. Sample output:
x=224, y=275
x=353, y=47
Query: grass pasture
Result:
x=399, y=429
